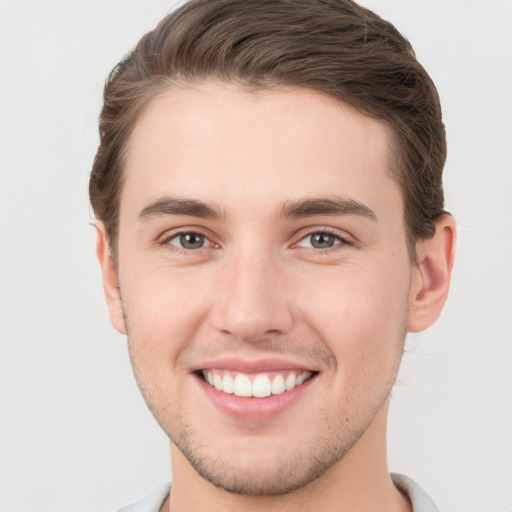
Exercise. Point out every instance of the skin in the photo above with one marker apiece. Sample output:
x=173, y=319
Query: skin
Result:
x=258, y=288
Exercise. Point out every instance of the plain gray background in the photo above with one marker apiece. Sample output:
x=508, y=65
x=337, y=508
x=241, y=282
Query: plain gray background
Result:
x=74, y=433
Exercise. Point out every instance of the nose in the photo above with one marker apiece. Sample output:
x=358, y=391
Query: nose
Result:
x=252, y=302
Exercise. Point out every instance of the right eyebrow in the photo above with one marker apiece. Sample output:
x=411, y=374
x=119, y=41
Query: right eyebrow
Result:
x=180, y=206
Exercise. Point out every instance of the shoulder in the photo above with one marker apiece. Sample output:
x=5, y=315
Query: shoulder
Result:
x=151, y=503
x=420, y=500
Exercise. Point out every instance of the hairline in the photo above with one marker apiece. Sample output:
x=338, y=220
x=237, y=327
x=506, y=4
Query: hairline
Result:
x=180, y=82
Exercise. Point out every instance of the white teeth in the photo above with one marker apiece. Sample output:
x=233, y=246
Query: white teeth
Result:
x=217, y=381
x=260, y=387
x=301, y=378
x=243, y=386
x=278, y=386
x=228, y=384
x=290, y=382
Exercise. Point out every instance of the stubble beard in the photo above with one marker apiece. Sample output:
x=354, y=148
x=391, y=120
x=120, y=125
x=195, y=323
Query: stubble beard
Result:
x=298, y=468
x=291, y=470
x=293, y=467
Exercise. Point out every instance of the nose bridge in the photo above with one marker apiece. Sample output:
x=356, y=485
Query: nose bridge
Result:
x=252, y=301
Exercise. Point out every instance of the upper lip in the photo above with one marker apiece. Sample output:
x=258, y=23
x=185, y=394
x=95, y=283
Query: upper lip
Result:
x=252, y=366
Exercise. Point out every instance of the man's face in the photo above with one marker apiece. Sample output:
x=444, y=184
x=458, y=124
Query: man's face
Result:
x=261, y=240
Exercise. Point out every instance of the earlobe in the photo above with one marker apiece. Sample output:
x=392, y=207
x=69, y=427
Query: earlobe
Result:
x=110, y=283
x=431, y=276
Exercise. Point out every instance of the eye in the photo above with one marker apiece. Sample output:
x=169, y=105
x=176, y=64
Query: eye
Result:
x=321, y=240
x=189, y=241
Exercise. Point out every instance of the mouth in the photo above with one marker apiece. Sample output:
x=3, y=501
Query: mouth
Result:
x=255, y=390
x=255, y=385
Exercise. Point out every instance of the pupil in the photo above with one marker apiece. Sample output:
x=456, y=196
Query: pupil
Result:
x=191, y=241
x=322, y=240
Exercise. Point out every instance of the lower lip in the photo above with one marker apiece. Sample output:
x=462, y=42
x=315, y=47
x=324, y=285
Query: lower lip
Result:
x=254, y=409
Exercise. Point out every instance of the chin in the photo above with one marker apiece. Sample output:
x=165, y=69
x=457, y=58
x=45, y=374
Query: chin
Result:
x=256, y=479
x=267, y=469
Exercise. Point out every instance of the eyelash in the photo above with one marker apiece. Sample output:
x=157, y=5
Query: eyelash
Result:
x=342, y=241
x=167, y=239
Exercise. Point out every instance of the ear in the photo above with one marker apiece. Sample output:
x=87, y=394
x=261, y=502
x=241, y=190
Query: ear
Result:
x=431, y=275
x=110, y=284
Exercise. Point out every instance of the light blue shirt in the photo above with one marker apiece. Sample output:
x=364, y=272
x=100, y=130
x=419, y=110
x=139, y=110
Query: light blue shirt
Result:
x=420, y=500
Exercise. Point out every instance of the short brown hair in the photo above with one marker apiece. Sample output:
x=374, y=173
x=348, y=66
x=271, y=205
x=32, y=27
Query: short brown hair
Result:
x=333, y=46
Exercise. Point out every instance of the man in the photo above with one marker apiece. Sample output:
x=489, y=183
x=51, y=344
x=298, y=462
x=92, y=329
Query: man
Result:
x=270, y=223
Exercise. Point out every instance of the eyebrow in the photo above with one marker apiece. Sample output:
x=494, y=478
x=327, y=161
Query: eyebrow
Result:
x=333, y=206
x=180, y=206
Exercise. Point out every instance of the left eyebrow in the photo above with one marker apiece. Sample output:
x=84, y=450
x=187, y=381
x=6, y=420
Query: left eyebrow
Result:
x=326, y=206
x=180, y=206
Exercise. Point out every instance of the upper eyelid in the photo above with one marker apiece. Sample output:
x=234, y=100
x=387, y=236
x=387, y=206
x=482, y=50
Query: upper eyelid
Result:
x=172, y=233
x=339, y=243
x=329, y=233
x=181, y=233
x=337, y=233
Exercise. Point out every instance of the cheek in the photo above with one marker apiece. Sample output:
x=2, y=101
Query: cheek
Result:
x=164, y=310
x=359, y=313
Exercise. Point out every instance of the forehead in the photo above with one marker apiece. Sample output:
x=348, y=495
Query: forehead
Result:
x=219, y=142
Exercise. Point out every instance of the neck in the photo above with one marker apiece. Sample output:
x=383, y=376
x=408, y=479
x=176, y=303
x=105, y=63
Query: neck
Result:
x=360, y=481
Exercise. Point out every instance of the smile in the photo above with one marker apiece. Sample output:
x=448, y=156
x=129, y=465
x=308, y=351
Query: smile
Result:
x=259, y=385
